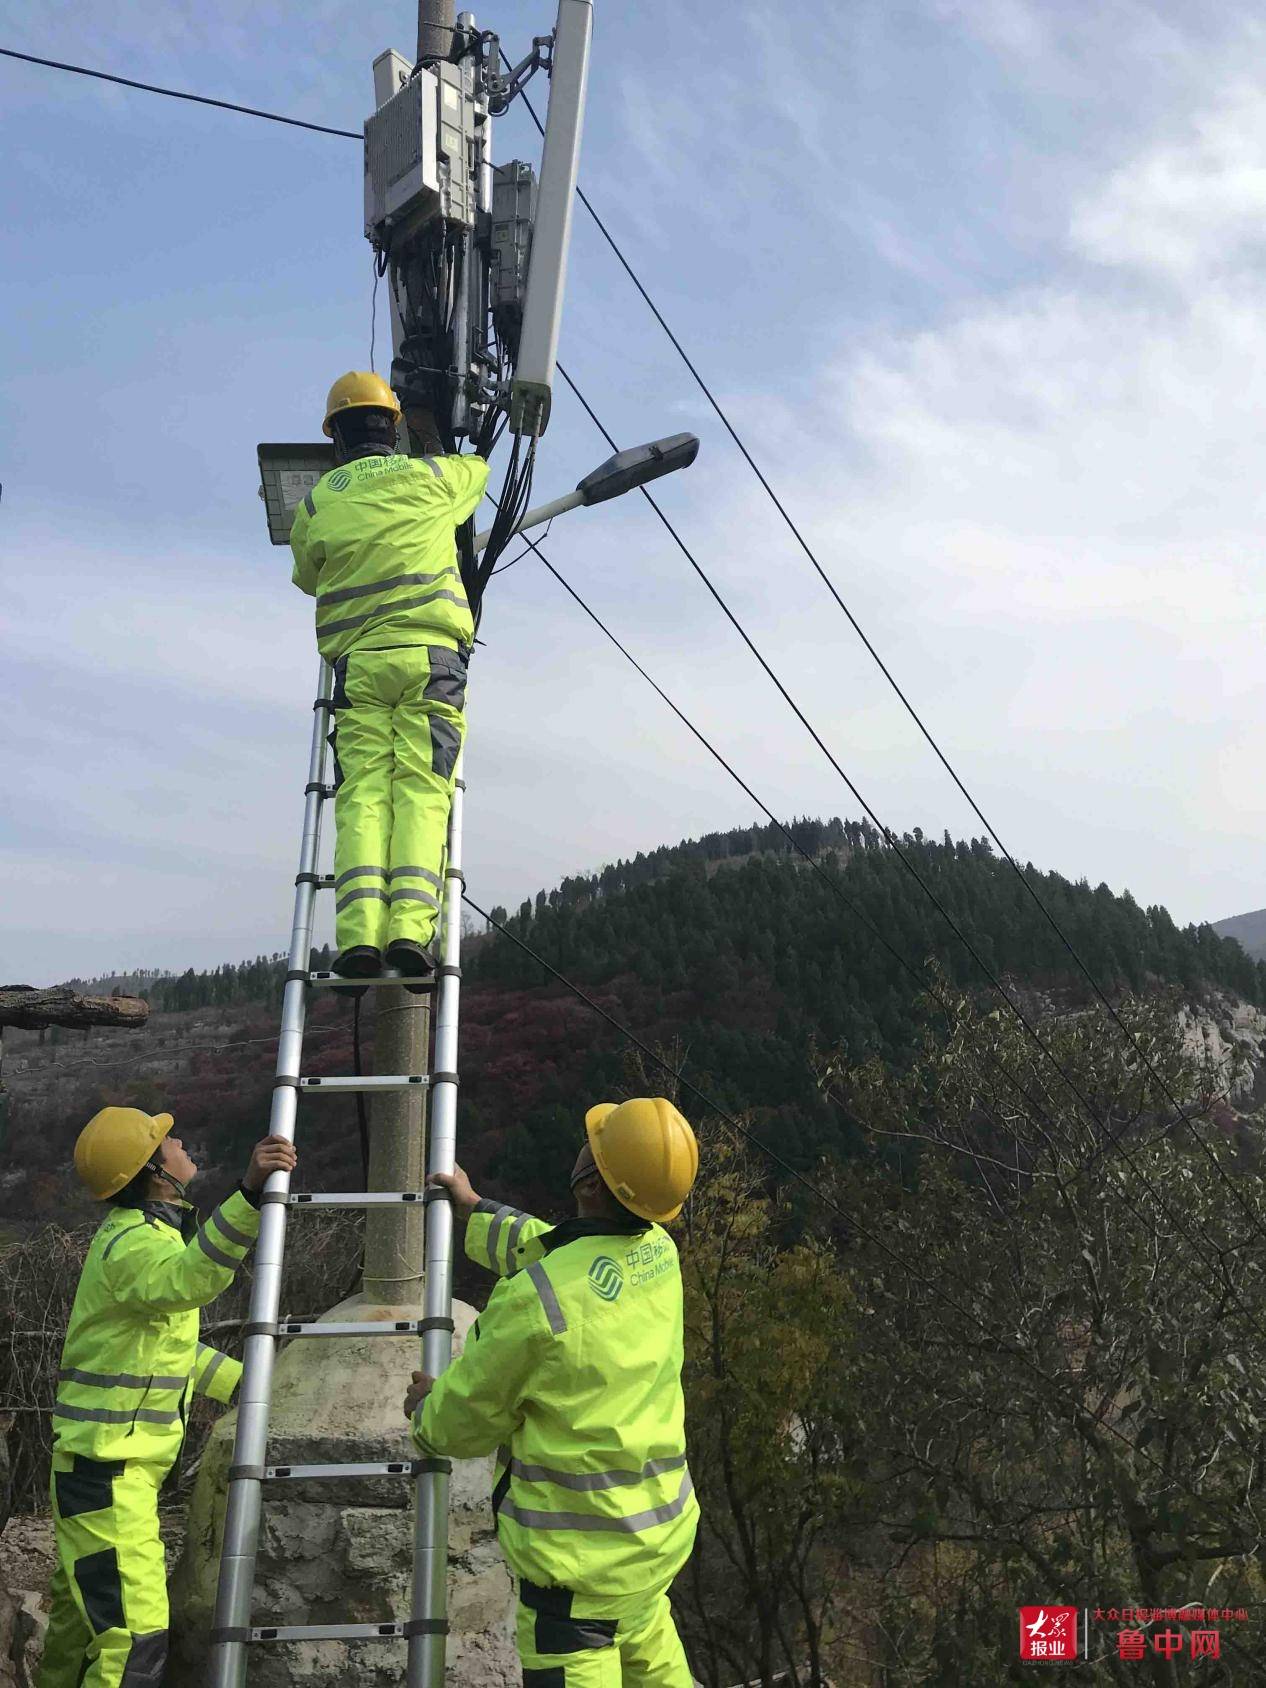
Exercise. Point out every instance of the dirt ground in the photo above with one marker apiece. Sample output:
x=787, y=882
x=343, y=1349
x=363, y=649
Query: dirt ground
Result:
x=26, y=1555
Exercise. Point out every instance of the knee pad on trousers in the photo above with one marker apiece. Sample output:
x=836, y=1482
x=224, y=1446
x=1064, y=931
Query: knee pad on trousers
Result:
x=147, y=1661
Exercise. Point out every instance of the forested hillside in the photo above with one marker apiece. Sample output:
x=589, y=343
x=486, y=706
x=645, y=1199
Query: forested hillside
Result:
x=745, y=971
x=730, y=953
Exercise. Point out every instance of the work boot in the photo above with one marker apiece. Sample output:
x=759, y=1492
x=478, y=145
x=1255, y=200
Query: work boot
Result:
x=412, y=960
x=362, y=961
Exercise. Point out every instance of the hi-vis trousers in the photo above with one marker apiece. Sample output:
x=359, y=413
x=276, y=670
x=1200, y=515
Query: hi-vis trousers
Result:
x=108, y=1627
x=625, y=1643
x=399, y=727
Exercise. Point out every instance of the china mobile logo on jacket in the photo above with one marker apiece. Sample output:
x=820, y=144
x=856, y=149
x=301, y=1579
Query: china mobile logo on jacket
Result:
x=606, y=1278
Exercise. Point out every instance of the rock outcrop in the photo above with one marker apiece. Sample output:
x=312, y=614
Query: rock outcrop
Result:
x=1231, y=1035
x=21, y=1636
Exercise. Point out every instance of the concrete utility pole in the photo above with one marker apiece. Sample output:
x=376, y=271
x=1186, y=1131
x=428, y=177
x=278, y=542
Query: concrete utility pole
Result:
x=436, y=21
x=397, y=1134
x=397, y=1150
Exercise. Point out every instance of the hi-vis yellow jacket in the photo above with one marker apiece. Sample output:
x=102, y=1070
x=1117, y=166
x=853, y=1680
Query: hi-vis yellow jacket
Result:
x=573, y=1373
x=373, y=544
x=132, y=1356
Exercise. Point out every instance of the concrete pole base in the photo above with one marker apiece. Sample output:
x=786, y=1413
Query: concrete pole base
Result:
x=341, y=1551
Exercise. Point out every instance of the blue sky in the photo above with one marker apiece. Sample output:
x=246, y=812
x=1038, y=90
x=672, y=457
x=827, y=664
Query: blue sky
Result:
x=981, y=282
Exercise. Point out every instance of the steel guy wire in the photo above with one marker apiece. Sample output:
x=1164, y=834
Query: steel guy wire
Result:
x=833, y=884
x=854, y=908
x=1030, y=1030
x=181, y=94
x=908, y=966
x=1183, y=1117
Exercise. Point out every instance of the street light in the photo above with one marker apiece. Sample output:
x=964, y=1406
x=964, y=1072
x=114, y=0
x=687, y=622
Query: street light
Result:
x=635, y=467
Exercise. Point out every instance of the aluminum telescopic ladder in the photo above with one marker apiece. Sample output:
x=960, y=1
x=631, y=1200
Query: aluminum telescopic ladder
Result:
x=234, y=1630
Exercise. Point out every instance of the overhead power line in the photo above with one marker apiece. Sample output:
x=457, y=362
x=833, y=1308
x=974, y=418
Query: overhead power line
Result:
x=902, y=855
x=181, y=94
x=908, y=966
x=829, y=879
x=1182, y=1116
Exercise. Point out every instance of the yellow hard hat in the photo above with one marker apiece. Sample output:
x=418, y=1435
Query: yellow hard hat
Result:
x=114, y=1146
x=358, y=390
x=646, y=1153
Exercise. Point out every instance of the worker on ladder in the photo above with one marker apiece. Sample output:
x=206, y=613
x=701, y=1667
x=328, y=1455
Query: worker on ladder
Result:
x=131, y=1360
x=573, y=1374
x=374, y=544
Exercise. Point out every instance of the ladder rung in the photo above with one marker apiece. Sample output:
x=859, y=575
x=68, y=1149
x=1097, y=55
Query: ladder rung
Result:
x=326, y=1632
x=382, y=1468
x=336, y=981
x=368, y=1081
x=377, y=1327
x=355, y=1198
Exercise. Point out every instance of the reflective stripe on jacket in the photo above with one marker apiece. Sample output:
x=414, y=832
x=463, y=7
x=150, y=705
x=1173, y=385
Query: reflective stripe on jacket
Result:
x=132, y=1356
x=373, y=544
x=573, y=1374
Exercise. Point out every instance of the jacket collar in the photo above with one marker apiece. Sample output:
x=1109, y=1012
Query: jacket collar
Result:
x=181, y=1216
x=571, y=1230
x=370, y=451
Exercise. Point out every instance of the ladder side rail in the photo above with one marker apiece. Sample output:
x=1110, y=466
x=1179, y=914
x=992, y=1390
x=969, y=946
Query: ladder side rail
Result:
x=242, y=1505
x=427, y=1650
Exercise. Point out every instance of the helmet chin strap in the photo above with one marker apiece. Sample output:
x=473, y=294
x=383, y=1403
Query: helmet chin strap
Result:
x=162, y=1172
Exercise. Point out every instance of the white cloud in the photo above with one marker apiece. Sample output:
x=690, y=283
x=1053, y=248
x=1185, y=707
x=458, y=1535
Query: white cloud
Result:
x=1062, y=488
x=1191, y=205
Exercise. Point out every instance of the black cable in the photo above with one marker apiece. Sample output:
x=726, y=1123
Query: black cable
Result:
x=833, y=884
x=1091, y=1420
x=530, y=546
x=373, y=317
x=902, y=961
x=180, y=94
x=513, y=505
x=1183, y=1117
x=1030, y=1030
x=361, y=1120
x=885, y=831
x=358, y=1271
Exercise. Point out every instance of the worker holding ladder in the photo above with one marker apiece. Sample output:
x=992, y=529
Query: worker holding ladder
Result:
x=374, y=544
x=130, y=1363
x=573, y=1374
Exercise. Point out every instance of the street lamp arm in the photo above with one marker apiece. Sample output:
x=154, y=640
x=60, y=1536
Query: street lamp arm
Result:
x=622, y=473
